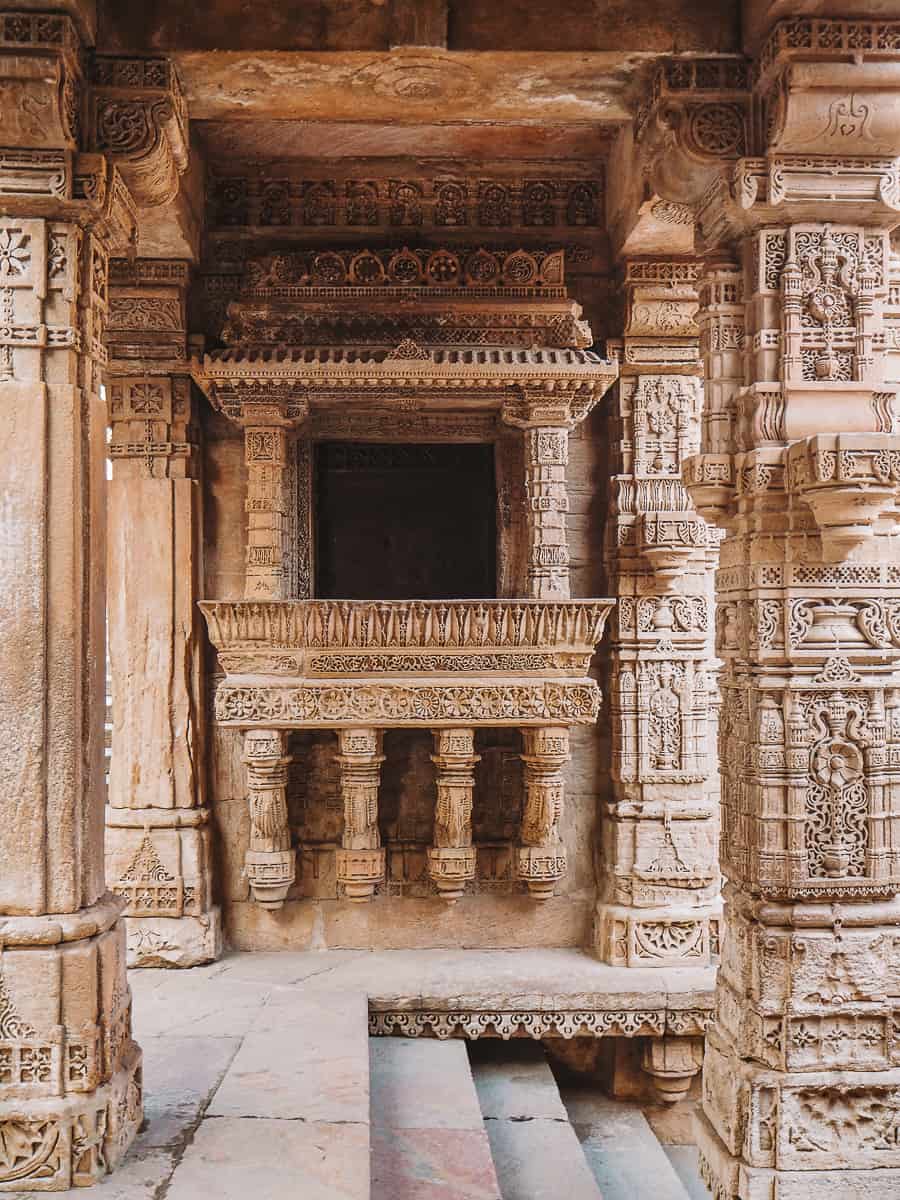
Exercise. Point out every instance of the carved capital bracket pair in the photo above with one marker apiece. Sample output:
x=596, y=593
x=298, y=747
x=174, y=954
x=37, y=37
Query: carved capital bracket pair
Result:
x=809, y=126
x=81, y=127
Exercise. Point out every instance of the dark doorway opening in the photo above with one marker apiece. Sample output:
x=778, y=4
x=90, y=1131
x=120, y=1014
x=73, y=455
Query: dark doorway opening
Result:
x=410, y=521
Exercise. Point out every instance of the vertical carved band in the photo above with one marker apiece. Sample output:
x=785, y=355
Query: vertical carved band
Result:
x=266, y=450
x=547, y=455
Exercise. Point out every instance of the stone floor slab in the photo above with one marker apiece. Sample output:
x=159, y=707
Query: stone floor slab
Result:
x=308, y=1059
x=233, y=1159
x=180, y=1076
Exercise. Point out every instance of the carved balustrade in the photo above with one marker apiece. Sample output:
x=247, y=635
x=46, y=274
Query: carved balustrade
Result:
x=360, y=667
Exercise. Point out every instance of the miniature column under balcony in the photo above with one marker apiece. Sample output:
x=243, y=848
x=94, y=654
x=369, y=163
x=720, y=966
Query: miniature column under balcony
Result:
x=361, y=858
x=541, y=859
x=270, y=863
x=451, y=859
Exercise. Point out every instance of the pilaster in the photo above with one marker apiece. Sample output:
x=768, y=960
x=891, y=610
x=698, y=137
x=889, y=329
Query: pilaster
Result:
x=157, y=821
x=70, y=1073
x=659, y=903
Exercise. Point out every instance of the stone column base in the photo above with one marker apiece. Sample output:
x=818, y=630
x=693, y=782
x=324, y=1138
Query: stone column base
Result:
x=53, y=1144
x=450, y=868
x=359, y=872
x=271, y=874
x=540, y=867
x=174, y=941
x=730, y=1178
x=657, y=937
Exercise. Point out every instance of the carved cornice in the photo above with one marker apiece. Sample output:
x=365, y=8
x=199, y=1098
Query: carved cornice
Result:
x=576, y=378
x=139, y=118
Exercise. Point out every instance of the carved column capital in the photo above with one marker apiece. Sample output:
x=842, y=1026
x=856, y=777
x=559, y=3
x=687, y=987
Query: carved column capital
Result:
x=138, y=117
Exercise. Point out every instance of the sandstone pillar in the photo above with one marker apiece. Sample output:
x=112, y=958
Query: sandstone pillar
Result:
x=270, y=864
x=800, y=464
x=361, y=858
x=70, y=1073
x=158, y=839
x=541, y=858
x=451, y=859
x=659, y=901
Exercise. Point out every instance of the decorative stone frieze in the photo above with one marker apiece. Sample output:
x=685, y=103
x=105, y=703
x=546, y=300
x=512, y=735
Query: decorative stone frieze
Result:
x=283, y=197
x=70, y=1072
x=659, y=894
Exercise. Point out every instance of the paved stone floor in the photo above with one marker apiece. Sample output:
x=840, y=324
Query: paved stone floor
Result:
x=257, y=1068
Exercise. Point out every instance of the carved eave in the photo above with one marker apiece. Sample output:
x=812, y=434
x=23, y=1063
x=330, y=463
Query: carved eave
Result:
x=452, y=378
x=139, y=118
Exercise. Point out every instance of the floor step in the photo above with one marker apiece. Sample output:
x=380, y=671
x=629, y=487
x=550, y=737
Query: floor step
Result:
x=685, y=1160
x=627, y=1160
x=428, y=1138
x=536, y=1153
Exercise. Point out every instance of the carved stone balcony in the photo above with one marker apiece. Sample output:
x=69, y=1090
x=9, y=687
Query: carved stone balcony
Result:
x=360, y=667
x=328, y=663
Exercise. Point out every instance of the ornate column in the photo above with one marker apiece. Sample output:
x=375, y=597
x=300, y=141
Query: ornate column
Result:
x=70, y=1073
x=278, y=561
x=541, y=858
x=801, y=466
x=546, y=424
x=158, y=850
x=451, y=859
x=361, y=859
x=266, y=451
x=270, y=865
x=659, y=903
